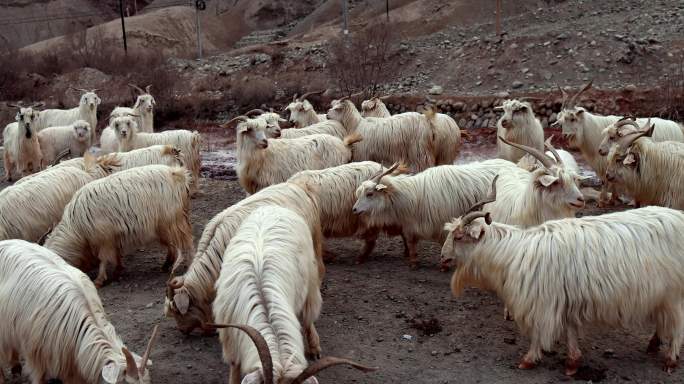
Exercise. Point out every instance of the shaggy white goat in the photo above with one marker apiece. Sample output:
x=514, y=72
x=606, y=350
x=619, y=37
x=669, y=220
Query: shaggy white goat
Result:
x=189, y=297
x=263, y=162
x=406, y=138
x=302, y=113
x=22, y=152
x=188, y=142
x=420, y=204
x=53, y=319
x=628, y=271
x=31, y=208
x=518, y=125
x=86, y=111
x=143, y=110
x=76, y=138
x=651, y=172
x=156, y=154
x=374, y=107
x=128, y=209
x=269, y=288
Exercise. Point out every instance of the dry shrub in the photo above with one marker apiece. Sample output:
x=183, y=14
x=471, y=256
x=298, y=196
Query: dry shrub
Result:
x=673, y=94
x=252, y=91
x=364, y=60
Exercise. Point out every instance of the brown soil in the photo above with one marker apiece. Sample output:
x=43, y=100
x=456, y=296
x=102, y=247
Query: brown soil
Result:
x=381, y=313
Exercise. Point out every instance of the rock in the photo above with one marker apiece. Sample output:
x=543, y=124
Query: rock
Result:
x=517, y=84
x=525, y=70
x=502, y=95
x=436, y=90
x=149, y=305
x=630, y=88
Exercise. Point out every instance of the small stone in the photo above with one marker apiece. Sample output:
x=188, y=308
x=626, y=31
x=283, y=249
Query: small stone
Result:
x=630, y=88
x=436, y=90
x=502, y=95
x=407, y=337
x=150, y=305
x=517, y=84
x=433, y=353
x=608, y=353
x=525, y=70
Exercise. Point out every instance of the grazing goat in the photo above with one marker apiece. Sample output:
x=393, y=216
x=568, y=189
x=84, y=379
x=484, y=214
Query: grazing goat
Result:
x=407, y=138
x=302, y=113
x=86, y=111
x=143, y=110
x=22, y=152
x=518, y=125
x=76, y=138
x=109, y=216
x=420, y=204
x=189, y=297
x=263, y=162
x=629, y=270
x=53, y=319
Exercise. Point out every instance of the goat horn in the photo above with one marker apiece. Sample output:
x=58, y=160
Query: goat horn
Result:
x=383, y=98
x=581, y=91
x=254, y=112
x=238, y=118
x=549, y=147
x=146, y=355
x=491, y=197
x=14, y=105
x=381, y=174
x=539, y=155
x=565, y=97
x=38, y=105
x=467, y=219
x=304, y=96
x=627, y=120
x=148, y=88
x=60, y=157
x=131, y=368
x=79, y=89
x=626, y=141
x=136, y=88
x=328, y=362
x=260, y=344
x=95, y=90
x=294, y=98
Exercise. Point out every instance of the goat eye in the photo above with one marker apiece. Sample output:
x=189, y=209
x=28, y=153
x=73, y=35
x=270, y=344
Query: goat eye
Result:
x=369, y=194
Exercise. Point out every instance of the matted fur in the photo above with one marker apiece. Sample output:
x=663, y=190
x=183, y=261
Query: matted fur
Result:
x=86, y=111
x=523, y=128
x=374, y=108
x=53, y=319
x=269, y=281
x=302, y=114
x=197, y=285
x=629, y=271
x=420, y=204
x=263, y=162
x=22, y=152
x=29, y=209
x=407, y=138
x=128, y=209
x=327, y=127
x=657, y=178
x=156, y=154
x=76, y=137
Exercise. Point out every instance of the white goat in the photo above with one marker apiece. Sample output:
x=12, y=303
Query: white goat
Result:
x=518, y=125
x=420, y=204
x=86, y=111
x=76, y=138
x=189, y=297
x=406, y=138
x=188, y=142
x=269, y=282
x=374, y=107
x=628, y=271
x=31, y=208
x=651, y=172
x=22, y=152
x=109, y=216
x=263, y=162
x=53, y=319
x=302, y=113
x=143, y=110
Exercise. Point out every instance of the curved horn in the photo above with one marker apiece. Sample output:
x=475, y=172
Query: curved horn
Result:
x=131, y=368
x=467, y=219
x=491, y=197
x=234, y=119
x=60, y=157
x=95, y=90
x=627, y=120
x=549, y=147
x=539, y=155
x=294, y=98
x=38, y=104
x=260, y=344
x=18, y=105
x=146, y=355
x=381, y=174
x=304, y=96
x=79, y=89
x=328, y=362
x=565, y=97
x=581, y=91
x=254, y=112
x=626, y=141
x=136, y=88
x=148, y=88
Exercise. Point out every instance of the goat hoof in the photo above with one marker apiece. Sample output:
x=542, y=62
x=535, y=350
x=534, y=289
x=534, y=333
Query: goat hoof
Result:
x=525, y=364
x=571, y=366
x=669, y=365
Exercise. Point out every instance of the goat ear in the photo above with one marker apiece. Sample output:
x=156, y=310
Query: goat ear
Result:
x=97, y=100
x=476, y=230
x=547, y=180
x=380, y=187
x=182, y=302
x=630, y=159
x=580, y=112
x=111, y=372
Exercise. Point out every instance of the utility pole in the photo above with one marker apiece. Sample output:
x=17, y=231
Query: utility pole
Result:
x=387, y=9
x=200, y=5
x=498, y=17
x=123, y=26
x=345, y=12
x=135, y=6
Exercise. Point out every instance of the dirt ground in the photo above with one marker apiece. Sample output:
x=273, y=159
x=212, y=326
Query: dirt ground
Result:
x=380, y=313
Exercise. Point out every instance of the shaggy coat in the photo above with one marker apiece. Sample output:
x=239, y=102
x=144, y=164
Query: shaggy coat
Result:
x=420, y=204
x=22, y=152
x=447, y=137
x=189, y=297
x=328, y=127
x=269, y=280
x=629, y=271
x=156, y=154
x=75, y=137
x=374, y=108
x=128, y=209
x=518, y=125
x=302, y=114
x=407, y=138
x=54, y=321
x=86, y=111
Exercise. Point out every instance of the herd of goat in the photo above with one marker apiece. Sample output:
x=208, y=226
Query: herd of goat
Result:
x=508, y=225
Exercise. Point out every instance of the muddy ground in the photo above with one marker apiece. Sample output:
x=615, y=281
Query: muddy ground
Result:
x=381, y=313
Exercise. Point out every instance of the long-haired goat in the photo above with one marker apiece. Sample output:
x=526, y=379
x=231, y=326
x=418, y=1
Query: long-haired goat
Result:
x=374, y=107
x=76, y=138
x=420, y=204
x=518, y=125
x=618, y=269
x=143, y=109
x=189, y=297
x=109, y=216
x=86, y=111
x=302, y=113
x=22, y=151
x=53, y=319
